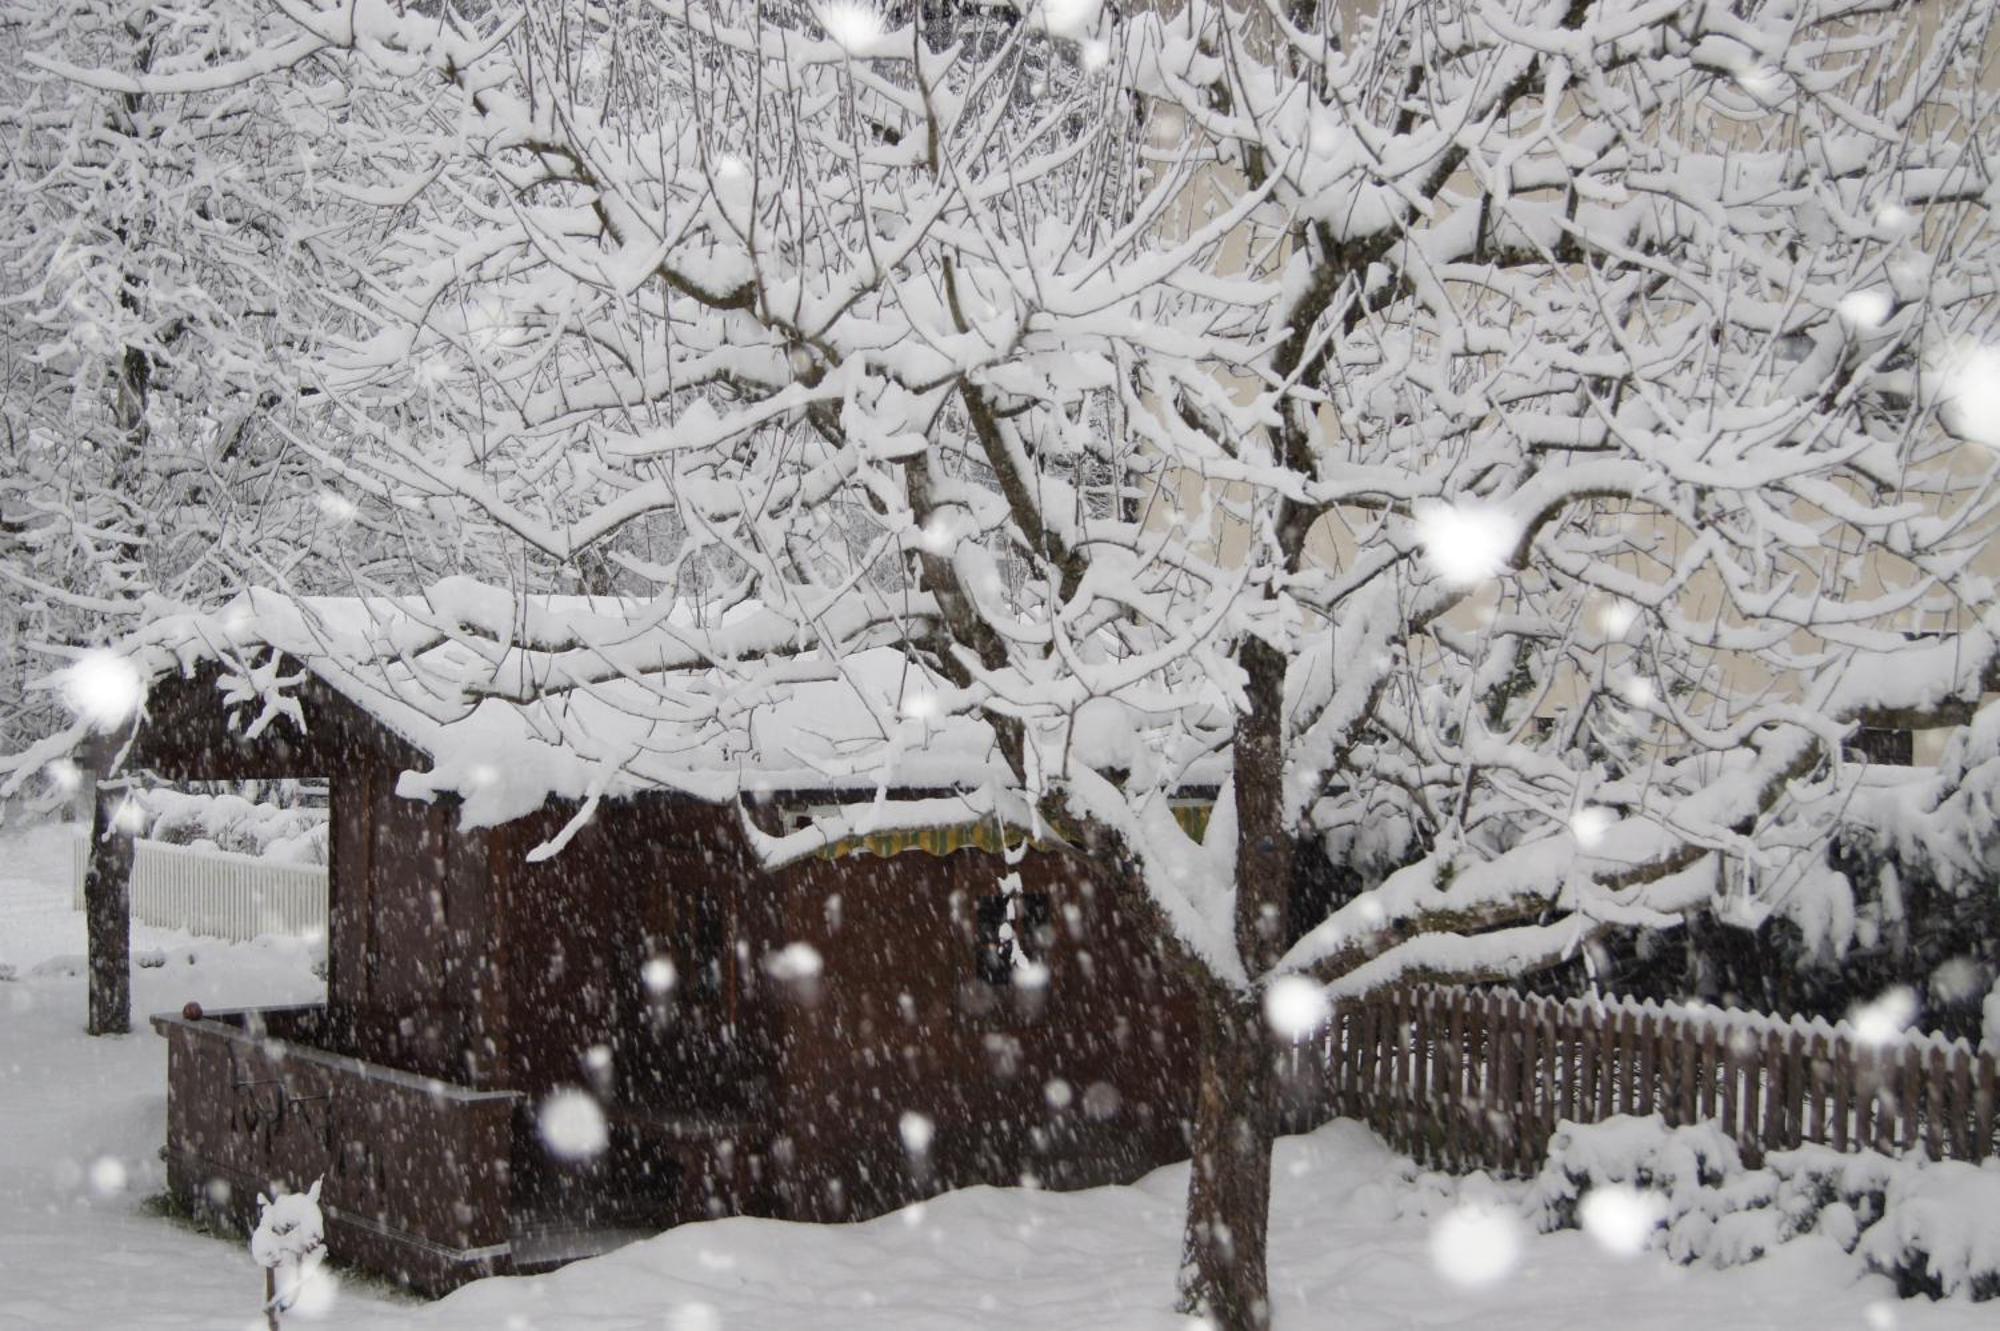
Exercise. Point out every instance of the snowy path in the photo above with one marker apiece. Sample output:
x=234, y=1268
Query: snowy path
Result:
x=81, y=1121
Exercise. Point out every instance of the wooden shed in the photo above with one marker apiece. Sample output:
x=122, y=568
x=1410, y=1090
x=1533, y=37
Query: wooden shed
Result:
x=904, y=1013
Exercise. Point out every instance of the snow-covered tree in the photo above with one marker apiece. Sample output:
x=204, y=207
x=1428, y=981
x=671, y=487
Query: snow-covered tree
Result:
x=1502, y=445
x=187, y=196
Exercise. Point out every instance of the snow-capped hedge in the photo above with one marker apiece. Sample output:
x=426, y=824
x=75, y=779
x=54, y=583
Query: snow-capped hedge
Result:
x=1926, y=1224
x=233, y=823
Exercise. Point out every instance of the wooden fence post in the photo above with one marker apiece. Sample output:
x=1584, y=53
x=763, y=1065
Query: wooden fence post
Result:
x=1960, y=1110
x=1983, y=1095
x=1649, y=1037
x=1422, y=1007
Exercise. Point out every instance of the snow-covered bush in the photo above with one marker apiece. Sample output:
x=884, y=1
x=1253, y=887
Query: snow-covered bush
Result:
x=1923, y=1223
x=1639, y=1153
x=230, y=822
x=1936, y=1235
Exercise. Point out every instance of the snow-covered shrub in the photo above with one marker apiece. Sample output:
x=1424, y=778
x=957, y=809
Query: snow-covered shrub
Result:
x=229, y=822
x=1641, y=1153
x=1936, y=1235
x=1925, y=1224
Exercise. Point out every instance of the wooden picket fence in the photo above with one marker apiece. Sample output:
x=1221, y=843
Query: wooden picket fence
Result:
x=1462, y=1079
x=216, y=893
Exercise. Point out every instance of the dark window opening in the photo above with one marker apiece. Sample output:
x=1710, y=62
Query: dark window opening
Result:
x=1015, y=929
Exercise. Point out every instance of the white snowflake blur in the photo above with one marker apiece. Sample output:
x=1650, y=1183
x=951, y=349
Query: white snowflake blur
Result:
x=107, y=1176
x=794, y=961
x=1475, y=1244
x=1073, y=19
x=1296, y=1007
x=1616, y=619
x=1620, y=1219
x=103, y=689
x=1888, y=1015
x=1864, y=310
x=1589, y=824
x=1466, y=543
x=917, y=1131
x=694, y=1317
x=855, y=24
x=571, y=1125
x=1969, y=395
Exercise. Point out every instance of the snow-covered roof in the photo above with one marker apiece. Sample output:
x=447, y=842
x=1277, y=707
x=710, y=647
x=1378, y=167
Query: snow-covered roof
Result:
x=518, y=699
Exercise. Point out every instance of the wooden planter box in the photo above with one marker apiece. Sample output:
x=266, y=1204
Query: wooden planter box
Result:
x=418, y=1175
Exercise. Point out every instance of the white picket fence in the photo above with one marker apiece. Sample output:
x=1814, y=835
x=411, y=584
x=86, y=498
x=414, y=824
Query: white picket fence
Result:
x=216, y=893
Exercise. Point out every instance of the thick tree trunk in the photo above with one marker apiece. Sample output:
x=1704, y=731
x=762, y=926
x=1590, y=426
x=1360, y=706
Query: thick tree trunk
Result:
x=107, y=908
x=1229, y=1188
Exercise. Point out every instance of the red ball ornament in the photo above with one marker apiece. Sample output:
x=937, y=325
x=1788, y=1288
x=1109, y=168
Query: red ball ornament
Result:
x=192, y=1012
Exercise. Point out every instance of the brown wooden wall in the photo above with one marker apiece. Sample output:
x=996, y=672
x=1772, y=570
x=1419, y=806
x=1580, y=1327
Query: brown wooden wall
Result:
x=413, y=977
x=411, y=981
x=416, y=1181
x=900, y=1021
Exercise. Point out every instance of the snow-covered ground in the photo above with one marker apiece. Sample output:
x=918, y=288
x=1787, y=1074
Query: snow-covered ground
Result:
x=1355, y=1241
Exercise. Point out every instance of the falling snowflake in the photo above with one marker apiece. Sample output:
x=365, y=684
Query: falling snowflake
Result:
x=1969, y=398
x=104, y=689
x=1866, y=309
x=657, y=975
x=917, y=1131
x=1885, y=1018
x=1621, y=1219
x=1296, y=1008
x=853, y=24
x=107, y=1176
x=694, y=1317
x=1958, y=980
x=1766, y=83
x=572, y=1126
x=1639, y=691
x=1074, y=20
x=316, y=1294
x=1589, y=824
x=1895, y=221
x=1475, y=1244
x=1617, y=619
x=65, y=775
x=794, y=961
x=1466, y=544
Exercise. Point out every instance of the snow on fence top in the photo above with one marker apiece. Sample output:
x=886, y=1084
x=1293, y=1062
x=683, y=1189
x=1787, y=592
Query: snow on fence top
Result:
x=1881, y=1024
x=518, y=699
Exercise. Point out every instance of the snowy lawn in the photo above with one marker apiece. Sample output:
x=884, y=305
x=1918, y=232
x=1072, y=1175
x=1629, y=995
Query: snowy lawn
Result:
x=1354, y=1241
